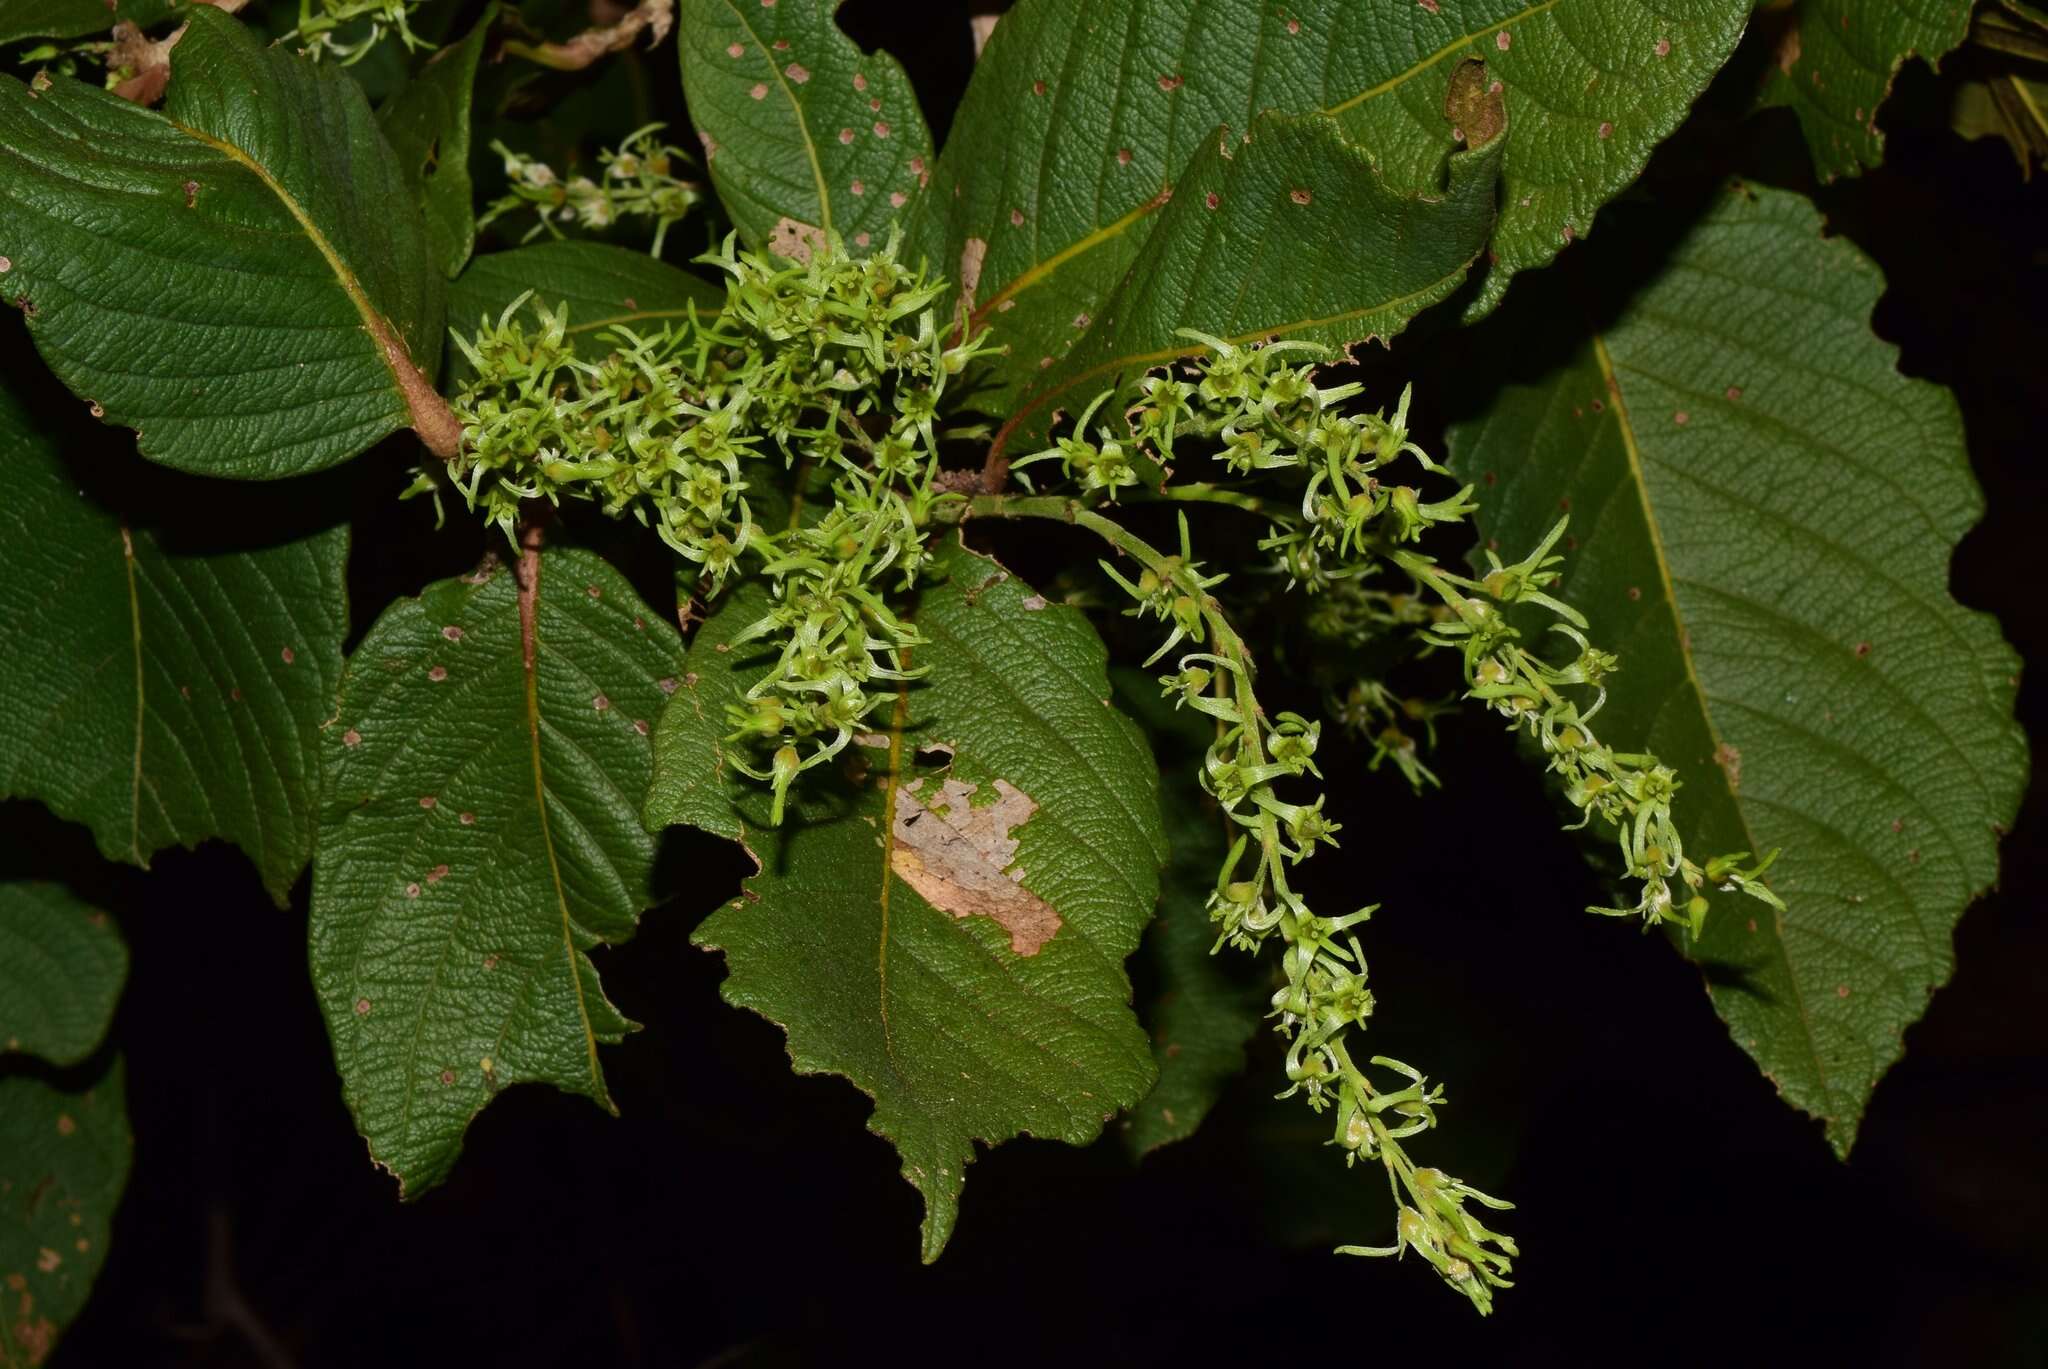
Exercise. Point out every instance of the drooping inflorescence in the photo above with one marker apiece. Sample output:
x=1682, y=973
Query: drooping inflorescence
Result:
x=1296, y=454
x=834, y=374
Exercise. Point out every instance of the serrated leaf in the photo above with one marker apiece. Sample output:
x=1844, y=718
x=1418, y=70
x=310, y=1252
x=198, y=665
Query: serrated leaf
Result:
x=1834, y=61
x=1081, y=117
x=803, y=132
x=1768, y=509
x=64, y=1143
x=1292, y=234
x=481, y=834
x=61, y=968
x=603, y=287
x=1204, y=1007
x=428, y=125
x=965, y=1021
x=77, y=18
x=241, y=278
x=160, y=694
x=65, y=1149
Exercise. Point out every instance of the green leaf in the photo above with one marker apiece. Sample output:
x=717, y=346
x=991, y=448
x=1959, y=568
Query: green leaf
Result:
x=603, y=287
x=1768, y=509
x=64, y=1143
x=1081, y=118
x=61, y=967
x=964, y=1021
x=64, y=1156
x=1834, y=62
x=160, y=693
x=1204, y=1007
x=482, y=833
x=240, y=278
x=2005, y=105
x=428, y=125
x=1293, y=235
x=77, y=18
x=802, y=130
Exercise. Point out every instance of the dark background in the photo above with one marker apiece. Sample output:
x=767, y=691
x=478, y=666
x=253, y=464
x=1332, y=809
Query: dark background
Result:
x=1670, y=1208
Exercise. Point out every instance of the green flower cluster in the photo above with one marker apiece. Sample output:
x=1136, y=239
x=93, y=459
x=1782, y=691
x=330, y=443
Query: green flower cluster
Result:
x=831, y=370
x=1325, y=995
x=1338, y=520
x=1631, y=793
x=320, y=22
x=638, y=181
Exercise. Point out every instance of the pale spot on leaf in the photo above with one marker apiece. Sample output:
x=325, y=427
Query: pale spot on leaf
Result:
x=794, y=239
x=958, y=856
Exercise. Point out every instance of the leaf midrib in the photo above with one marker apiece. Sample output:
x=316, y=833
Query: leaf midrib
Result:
x=135, y=633
x=393, y=350
x=1041, y=270
x=529, y=629
x=1683, y=641
x=803, y=125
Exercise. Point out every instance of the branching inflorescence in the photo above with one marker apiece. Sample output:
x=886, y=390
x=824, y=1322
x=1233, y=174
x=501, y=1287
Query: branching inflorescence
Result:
x=838, y=369
x=833, y=365
x=638, y=181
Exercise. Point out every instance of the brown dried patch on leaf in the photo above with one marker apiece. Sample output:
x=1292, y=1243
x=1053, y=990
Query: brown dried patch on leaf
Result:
x=795, y=239
x=1474, y=105
x=957, y=856
x=654, y=18
x=147, y=62
x=979, y=27
x=972, y=253
x=1788, y=47
x=1730, y=761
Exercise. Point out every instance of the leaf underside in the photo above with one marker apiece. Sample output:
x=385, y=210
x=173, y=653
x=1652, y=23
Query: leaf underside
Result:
x=64, y=1142
x=481, y=835
x=61, y=968
x=160, y=695
x=1767, y=509
x=957, y=1034
x=64, y=1158
x=1834, y=62
x=243, y=278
